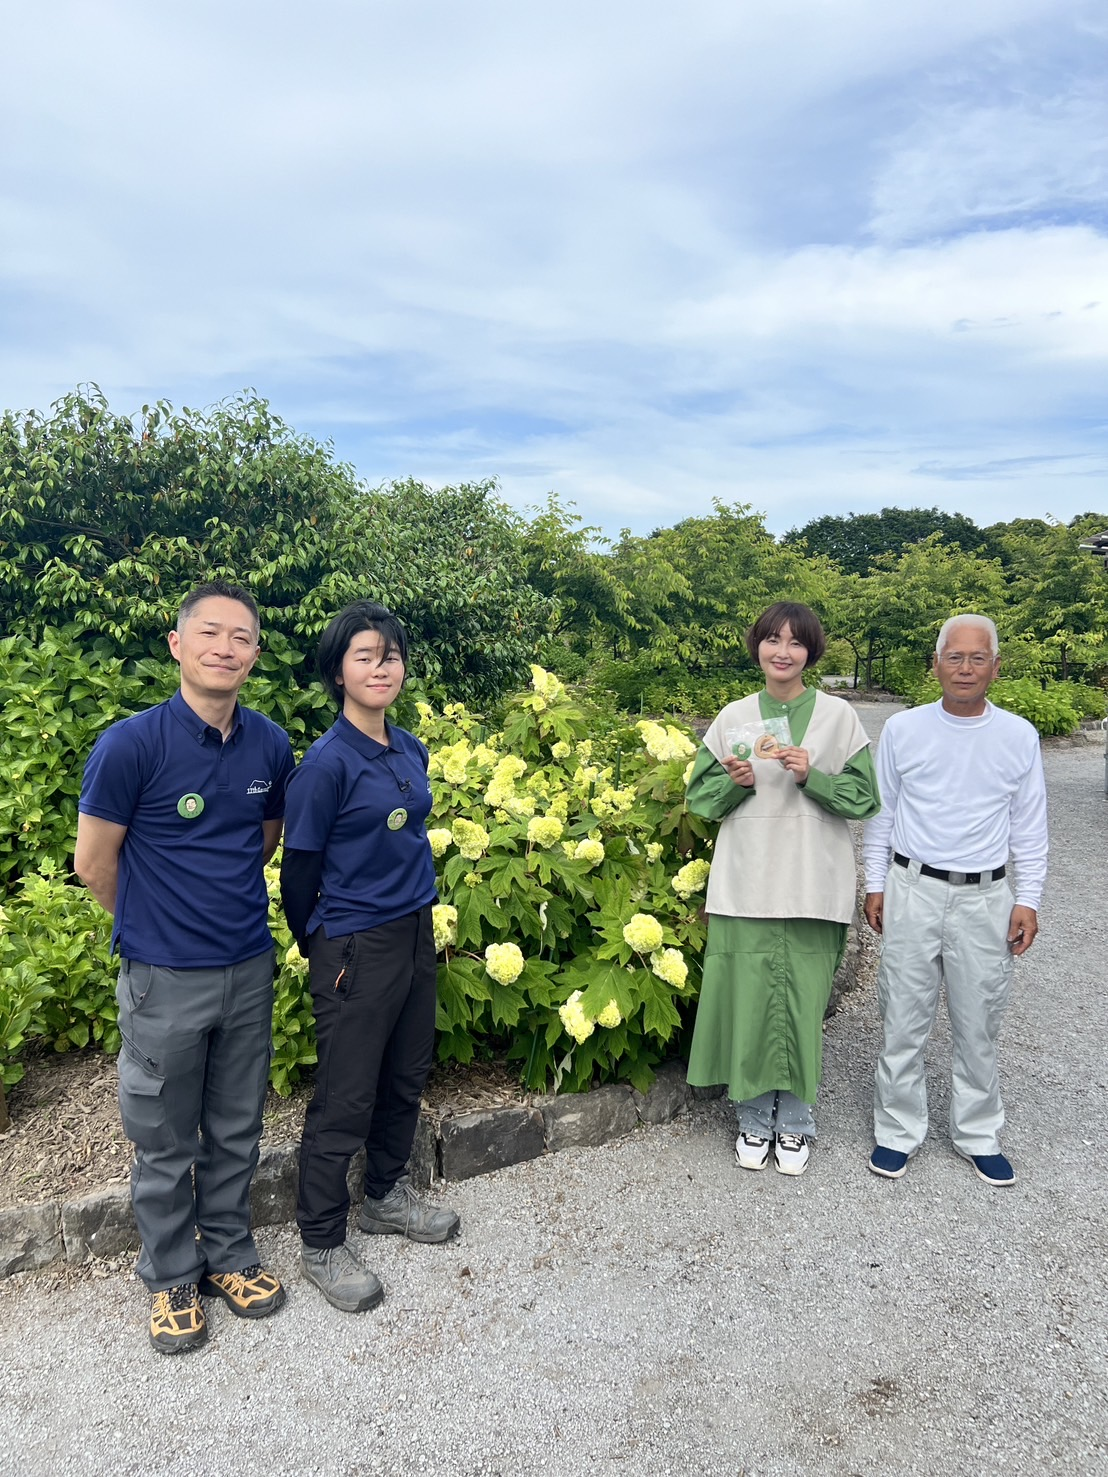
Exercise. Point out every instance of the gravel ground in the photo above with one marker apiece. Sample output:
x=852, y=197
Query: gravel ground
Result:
x=647, y=1306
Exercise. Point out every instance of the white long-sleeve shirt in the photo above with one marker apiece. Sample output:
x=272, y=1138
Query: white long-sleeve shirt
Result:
x=962, y=794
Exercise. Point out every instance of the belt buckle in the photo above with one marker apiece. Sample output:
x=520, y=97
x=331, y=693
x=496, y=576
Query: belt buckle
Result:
x=958, y=879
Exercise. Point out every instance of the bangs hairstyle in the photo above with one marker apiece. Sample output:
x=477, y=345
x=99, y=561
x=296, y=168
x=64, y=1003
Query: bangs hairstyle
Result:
x=802, y=622
x=361, y=615
x=219, y=590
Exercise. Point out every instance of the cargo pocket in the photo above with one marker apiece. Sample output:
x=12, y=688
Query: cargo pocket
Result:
x=142, y=1101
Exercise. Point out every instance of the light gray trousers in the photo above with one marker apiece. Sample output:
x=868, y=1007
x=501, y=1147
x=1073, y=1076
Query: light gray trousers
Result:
x=192, y=1079
x=934, y=933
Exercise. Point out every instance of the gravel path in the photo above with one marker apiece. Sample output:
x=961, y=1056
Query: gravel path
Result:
x=645, y=1306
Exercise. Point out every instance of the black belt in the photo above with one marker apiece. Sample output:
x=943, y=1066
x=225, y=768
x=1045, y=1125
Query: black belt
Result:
x=955, y=878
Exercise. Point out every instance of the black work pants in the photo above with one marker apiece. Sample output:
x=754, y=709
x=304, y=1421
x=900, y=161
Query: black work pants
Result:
x=373, y=994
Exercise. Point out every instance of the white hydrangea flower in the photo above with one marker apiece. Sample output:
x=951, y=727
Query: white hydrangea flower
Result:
x=589, y=851
x=669, y=965
x=504, y=962
x=691, y=878
x=444, y=920
x=574, y=1019
x=544, y=830
x=440, y=838
x=643, y=933
x=471, y=839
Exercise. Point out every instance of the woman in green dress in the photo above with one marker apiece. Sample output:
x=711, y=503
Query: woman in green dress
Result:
x=782, y=887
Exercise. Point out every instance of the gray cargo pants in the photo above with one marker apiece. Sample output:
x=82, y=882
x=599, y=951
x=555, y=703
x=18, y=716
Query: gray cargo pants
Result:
x=193, y=1070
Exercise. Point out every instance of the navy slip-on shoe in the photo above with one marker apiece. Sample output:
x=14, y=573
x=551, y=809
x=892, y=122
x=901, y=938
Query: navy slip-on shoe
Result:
x=889, y=1163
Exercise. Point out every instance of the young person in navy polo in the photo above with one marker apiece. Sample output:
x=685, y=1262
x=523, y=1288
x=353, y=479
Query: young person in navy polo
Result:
x=180, y=809
x=357, y=882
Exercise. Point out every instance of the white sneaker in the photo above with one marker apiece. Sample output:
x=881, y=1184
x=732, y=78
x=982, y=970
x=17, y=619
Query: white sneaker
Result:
x=751, y=1151
x=790, y=1153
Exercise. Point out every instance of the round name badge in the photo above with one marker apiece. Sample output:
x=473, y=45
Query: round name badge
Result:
x=397, y=819
x=190, y=806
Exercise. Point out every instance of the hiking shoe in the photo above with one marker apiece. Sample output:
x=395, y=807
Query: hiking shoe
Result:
x=341, y=1278
x=177, y=1319
x=890, y=1163
x=751, y=1151
x=403, y=1213
x=994, y=1169
x=790, y=1153
x=251, y=1293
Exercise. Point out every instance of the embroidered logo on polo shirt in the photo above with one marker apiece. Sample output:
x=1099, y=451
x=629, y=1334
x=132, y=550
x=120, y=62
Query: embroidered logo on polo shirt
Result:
x=259, y=787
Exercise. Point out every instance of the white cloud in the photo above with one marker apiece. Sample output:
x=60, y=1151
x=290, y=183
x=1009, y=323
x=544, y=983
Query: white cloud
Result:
x=641, y=255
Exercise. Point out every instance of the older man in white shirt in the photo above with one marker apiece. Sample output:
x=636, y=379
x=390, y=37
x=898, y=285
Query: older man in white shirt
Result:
x=963, y=793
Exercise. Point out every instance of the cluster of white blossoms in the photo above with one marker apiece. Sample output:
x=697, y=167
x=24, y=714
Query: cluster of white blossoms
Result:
x=643, y=933
x=560, y=750
x=669, y=965
x=502, y=786
x=504, y=962
x=654, y=850
x=544, y=830
x=691, y=878
x=590, y=851
x=546, y=684
x=471, y=839
x=453, y=761
x=664, y=742
x=612, y=802
x=294, y=959
x=581, y=1026
x=440, y=838
x=575, y=1020
x=444, y=920
x=520, y=807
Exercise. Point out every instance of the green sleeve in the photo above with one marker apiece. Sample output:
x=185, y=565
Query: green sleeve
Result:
x=712, y=792
x=852, y=794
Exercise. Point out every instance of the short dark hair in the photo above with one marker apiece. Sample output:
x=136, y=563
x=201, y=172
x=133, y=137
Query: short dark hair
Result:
x=358, y=616
x=219, y=589
x=801, y=620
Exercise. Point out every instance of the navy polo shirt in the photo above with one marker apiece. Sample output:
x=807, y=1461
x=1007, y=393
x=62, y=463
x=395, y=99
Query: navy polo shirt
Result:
x=339, y=802
x=191, y=891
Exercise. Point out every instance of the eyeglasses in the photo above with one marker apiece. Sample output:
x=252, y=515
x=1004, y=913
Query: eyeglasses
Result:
x=978, y=660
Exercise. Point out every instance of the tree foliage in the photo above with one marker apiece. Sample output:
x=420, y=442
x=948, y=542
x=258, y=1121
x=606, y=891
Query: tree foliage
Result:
x=105, y=522
x=857, y=540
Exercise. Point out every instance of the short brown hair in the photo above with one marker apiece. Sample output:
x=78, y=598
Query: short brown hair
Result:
x=801, y=620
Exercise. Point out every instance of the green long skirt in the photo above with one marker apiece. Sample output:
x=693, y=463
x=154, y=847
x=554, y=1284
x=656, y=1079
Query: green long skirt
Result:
x=759, y=1021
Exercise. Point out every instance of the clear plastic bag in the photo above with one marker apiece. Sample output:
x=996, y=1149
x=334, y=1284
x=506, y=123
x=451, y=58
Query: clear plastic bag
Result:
x=759, y=740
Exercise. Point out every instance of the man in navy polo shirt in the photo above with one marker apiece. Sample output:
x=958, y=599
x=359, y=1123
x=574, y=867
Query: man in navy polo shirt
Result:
x=180, y=809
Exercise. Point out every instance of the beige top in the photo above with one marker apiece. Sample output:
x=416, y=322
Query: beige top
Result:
x=780, y=854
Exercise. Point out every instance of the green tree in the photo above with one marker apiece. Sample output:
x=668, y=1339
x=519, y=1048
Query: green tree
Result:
x=1057, y=609
x=106, y=521
x=895, y=612
x=856, y=540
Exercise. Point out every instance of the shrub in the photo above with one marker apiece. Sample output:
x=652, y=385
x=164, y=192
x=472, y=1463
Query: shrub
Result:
x=569, y=925
x=1054, y=709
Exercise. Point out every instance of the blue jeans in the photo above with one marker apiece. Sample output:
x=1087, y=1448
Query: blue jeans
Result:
x=775, y=1112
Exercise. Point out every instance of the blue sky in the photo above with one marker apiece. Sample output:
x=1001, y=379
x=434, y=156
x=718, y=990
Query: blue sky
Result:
x=817, y=257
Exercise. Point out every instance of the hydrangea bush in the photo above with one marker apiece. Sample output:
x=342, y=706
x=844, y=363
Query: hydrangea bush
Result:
x=571, y=880
x=569, y=932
